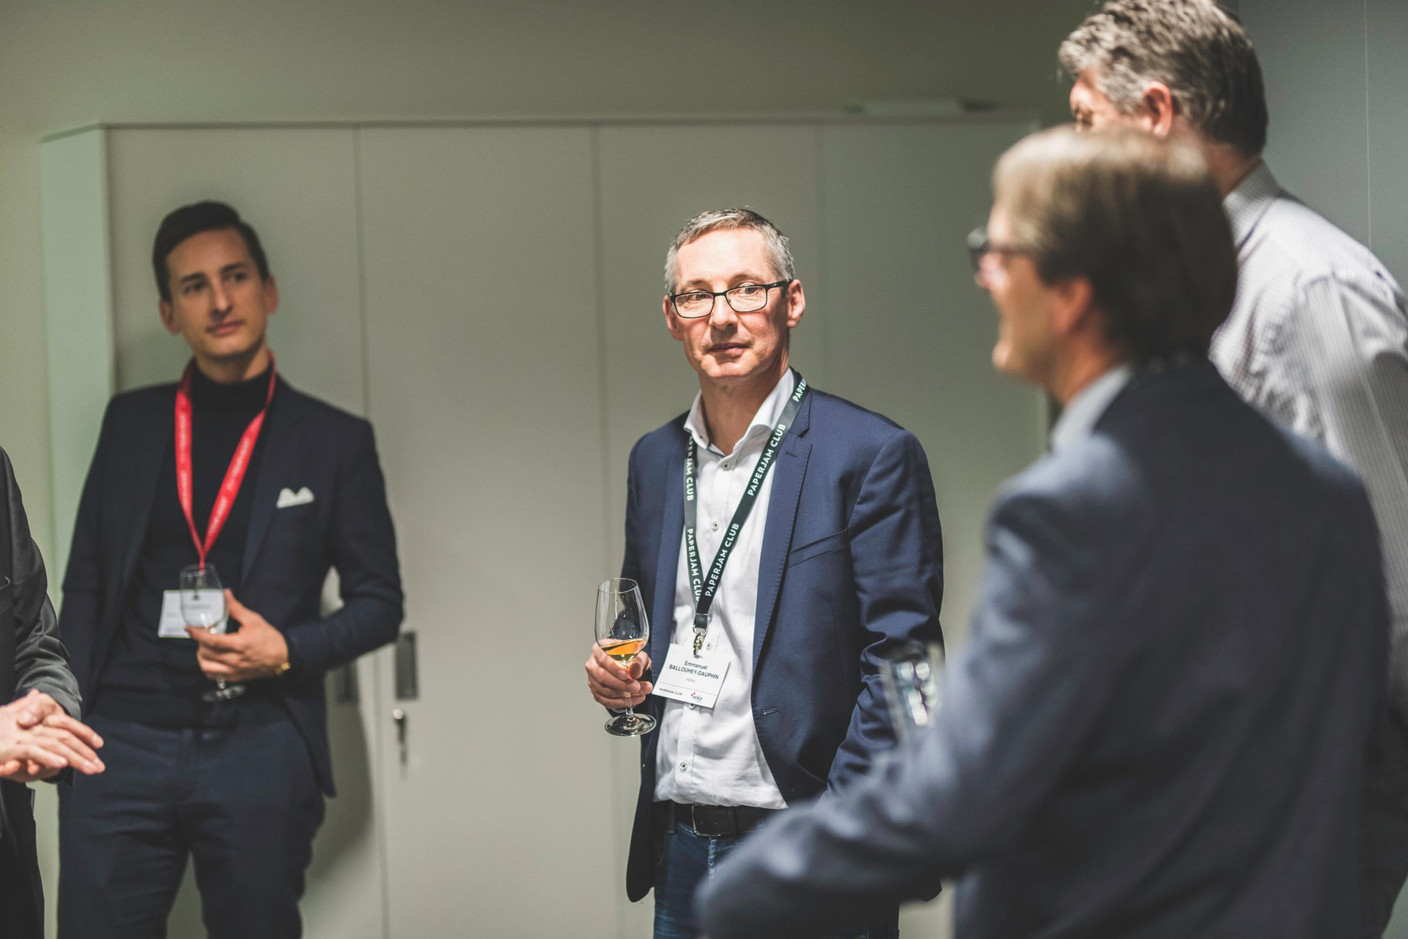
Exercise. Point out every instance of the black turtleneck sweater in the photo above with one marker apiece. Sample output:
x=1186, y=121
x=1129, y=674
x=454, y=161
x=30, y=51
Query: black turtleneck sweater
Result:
x=154, y=680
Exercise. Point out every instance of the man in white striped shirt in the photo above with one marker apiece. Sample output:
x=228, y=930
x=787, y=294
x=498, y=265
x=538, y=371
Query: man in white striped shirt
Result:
x=1318, y=336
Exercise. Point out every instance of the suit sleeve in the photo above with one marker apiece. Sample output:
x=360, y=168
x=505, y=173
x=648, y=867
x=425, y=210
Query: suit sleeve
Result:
x=897, y=559
x=1021, y=696
x=41, y=662
x=82, y=583
x=363, y=550
x=630, y=562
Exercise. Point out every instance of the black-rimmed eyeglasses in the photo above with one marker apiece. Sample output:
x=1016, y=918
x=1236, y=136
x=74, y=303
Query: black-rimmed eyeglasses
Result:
x=745, y=298
x=979, y=246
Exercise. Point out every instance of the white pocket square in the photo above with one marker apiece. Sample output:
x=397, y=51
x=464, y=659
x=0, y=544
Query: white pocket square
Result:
x=287, y=497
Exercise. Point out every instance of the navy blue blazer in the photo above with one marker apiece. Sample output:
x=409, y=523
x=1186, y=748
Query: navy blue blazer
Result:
x=288, y=551
x=1158, y=725
x=852, y=561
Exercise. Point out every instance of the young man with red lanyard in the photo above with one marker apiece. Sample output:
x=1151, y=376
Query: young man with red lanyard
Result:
x=231, y=469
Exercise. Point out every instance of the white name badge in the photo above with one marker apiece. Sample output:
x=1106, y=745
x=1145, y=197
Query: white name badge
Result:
x=693, y=680
x=173, y=622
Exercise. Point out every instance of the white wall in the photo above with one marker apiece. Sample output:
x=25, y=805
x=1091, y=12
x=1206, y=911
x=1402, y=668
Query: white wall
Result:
x=1335, y=75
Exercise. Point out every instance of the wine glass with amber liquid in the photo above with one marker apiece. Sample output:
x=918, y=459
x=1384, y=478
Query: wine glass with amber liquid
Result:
x=622, y=631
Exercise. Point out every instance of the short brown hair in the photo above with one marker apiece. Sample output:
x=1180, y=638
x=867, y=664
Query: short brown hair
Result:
x=1139, y=218
x=775, y=242
x=191, y=220
x=1195, y=47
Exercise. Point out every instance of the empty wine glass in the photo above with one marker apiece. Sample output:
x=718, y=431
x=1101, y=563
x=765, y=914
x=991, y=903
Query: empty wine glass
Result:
x=203, y=604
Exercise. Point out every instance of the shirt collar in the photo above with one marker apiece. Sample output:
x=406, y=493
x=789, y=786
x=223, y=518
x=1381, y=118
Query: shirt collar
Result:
x=1080, y=416
x=769, y=413
x=1246, y=204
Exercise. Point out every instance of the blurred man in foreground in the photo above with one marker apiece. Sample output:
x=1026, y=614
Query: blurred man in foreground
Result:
x=1318, y=336
x=1158, y=726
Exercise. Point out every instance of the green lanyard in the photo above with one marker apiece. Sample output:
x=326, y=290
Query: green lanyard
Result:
x=704, y=590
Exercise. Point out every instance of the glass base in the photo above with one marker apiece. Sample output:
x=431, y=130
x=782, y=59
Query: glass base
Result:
x=224, y=692
x=630, y=725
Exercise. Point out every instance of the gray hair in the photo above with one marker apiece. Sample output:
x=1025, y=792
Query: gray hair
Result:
x=774, y=241
x=1195, y=47
x=1137, y=217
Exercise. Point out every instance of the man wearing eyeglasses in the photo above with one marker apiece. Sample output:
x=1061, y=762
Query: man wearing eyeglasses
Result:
x=782, y=537
x=1157, y=726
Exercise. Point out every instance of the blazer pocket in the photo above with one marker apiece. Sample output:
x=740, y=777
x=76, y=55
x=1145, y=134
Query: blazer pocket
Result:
x=812, y=549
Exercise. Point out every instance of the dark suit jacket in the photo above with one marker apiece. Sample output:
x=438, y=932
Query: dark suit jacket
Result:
x=287, y=553
x=1158, y=726
x=852, y=561
x=31, y=657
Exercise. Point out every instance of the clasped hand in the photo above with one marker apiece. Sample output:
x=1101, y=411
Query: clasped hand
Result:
x=614, y=685
x=38, y=740
x=257, y=650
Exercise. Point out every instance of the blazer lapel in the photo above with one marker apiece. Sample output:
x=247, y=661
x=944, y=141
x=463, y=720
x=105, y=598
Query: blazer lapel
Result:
x=668, y=559
x=277, y=467
x=788, y=473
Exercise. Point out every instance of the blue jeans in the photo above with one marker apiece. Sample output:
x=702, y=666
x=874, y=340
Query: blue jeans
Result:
x=685, y=863
x=240, y=801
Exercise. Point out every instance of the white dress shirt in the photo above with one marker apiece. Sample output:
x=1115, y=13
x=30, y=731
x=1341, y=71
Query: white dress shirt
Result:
x=712, y=756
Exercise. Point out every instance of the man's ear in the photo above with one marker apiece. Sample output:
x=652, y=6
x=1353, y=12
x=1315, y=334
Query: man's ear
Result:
x=672, y=322
x=796, y=301
x=1159, y=108
x=271, y=295
x=1074, y=305
x=168, y=317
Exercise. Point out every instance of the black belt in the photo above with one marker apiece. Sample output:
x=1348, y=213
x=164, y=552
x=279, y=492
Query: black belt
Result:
x=715, y=821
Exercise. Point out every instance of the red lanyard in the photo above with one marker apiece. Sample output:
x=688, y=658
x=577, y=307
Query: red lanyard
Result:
x=234, y=476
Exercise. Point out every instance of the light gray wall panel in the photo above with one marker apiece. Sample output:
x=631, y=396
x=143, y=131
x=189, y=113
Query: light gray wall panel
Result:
x=1312, y=57
x=1387, y=53
x=483, y=355
x=296, y=188
x=910, y=334
x=78, y=318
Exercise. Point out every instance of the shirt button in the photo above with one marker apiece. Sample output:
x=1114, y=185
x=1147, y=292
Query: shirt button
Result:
x=691, y=706
x=725, y=465
x=716, y=526
x=684, y=766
